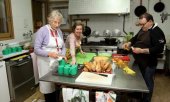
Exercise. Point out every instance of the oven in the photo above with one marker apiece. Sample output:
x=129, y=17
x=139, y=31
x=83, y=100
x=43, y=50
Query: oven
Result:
x=99, y=47
x=20, y=77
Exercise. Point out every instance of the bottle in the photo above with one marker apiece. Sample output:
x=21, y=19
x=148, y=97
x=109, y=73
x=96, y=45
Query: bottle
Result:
x=1, y=48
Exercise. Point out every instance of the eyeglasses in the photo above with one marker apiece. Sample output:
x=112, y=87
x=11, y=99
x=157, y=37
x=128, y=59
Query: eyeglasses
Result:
x=145, y=23
x=142, y=25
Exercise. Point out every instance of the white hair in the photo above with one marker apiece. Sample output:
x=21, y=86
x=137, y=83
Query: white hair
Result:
x=53, y=14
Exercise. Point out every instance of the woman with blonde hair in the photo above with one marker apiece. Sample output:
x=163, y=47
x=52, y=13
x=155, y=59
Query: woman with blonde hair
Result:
x=49, y=46
x=73, y=41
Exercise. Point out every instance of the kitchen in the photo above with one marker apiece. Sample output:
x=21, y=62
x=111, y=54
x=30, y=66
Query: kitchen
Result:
x=23, y=21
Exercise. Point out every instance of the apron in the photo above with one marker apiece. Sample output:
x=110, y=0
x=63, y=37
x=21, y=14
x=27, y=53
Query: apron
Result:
x=68, y=54
x=44, y=62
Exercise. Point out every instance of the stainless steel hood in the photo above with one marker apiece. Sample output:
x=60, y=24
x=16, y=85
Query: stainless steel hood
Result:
x=99, y=7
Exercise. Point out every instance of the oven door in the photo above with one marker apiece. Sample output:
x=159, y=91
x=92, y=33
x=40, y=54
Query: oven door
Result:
x=21, y=72
x=21, y=79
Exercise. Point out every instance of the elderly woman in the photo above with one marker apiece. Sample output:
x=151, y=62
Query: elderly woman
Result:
x=49, y=46
x=73, y=41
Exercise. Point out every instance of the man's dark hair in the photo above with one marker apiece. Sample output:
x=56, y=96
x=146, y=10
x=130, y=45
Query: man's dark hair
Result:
x=147, y=16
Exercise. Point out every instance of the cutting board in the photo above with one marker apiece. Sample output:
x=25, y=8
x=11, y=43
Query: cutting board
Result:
x=81, y=58
x=93, y=78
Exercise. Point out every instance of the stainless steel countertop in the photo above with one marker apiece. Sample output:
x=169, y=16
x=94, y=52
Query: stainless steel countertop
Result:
x=121, y=82
x=93, y=46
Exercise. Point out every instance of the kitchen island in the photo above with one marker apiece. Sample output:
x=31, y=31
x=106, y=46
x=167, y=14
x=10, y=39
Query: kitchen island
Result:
x=121, y=82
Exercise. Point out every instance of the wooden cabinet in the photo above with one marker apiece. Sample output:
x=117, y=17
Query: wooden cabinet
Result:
x=41, y=9
x=6, y=21
x=62, y=6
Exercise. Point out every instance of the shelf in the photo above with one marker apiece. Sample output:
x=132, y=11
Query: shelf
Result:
x=14, y=54
x=82, y=19
x=58, y=1
x=66, y=30
x=106, y=36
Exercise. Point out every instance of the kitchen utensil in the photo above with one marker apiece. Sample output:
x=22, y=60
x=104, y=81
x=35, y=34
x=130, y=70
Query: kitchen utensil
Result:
x=116, y=32
x=95, y=33
x=87, y=30
x=107, y=33
x=139, y=10
x=159, y=7
x=110, y=41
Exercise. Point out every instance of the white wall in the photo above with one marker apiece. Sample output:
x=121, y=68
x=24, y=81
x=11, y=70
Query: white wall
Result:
x=111, y=22
x=22, y=19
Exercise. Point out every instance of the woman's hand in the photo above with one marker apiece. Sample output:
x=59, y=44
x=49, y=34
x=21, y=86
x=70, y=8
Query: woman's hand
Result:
x=82, y=52
x=53, y=55
x=73, y=62
x=65, y=58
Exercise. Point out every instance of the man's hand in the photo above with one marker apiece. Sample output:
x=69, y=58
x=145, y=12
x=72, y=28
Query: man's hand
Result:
x=140, y=50
x=137, y=50
x=126, y=46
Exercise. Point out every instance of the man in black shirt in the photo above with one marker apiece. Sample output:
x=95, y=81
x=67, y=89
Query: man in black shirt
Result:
x=146, y=45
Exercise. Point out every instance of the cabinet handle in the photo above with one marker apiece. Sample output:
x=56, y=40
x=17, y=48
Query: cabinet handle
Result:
x=21, y=64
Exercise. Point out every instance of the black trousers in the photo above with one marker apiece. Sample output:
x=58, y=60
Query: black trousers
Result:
x=53, y=97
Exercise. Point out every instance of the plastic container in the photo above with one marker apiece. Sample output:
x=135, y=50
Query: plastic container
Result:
x=62, y=62
x=73, y=69
x=60, y=70
x=66, y=70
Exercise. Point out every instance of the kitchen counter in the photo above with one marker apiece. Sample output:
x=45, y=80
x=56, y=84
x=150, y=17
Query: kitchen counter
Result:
x=14, y=54
x=120, y=83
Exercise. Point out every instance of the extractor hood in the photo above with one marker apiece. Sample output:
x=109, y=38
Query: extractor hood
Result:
x=77, y=7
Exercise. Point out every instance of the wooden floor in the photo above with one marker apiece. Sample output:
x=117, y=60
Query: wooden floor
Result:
x=161, y=90
x=36, y=97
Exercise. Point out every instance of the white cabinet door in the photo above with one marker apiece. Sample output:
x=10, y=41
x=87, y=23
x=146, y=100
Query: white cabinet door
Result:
x=98, y=7
x=4, y=89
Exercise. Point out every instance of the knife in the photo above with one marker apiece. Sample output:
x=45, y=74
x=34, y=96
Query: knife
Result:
x=103, y=75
